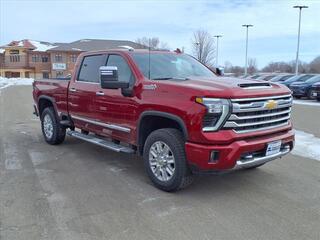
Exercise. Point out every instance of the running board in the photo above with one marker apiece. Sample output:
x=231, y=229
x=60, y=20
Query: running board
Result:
x=101, y=142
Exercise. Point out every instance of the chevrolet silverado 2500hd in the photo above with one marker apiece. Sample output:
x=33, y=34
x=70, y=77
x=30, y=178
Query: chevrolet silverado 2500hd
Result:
x=171, y=109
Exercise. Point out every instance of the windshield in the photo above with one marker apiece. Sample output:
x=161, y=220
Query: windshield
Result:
x=305, y=78
x=313, y=79
x=165, y=66
x=285, y=77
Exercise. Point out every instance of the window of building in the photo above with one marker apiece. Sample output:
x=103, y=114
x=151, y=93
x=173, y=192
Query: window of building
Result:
x=124, y=71
x=14, y=58
x=73, y=58
x=59, y=74
x=45, y=59
x=89, y=71
x=58, y=57
x=35, y=58
x=45, y=75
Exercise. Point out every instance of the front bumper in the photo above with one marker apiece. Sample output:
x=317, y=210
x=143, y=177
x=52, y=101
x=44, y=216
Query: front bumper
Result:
x=235, y=155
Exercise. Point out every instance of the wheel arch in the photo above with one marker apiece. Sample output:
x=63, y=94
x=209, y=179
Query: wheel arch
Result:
x=153, y=120
x=44, y=102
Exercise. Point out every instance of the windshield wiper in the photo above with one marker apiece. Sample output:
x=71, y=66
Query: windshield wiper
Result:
x=170, y=78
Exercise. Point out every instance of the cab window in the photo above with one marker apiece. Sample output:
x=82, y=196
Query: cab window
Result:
x=124, y=71
x=89, y=71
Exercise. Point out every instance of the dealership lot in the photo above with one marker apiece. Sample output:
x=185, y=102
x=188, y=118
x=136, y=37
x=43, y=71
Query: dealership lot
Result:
x=81, y=191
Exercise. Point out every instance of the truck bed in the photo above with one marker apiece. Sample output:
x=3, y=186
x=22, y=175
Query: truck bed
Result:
x=54, y=89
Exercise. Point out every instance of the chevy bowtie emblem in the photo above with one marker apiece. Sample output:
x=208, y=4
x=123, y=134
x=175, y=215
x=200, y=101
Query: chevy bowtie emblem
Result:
x=271, y=104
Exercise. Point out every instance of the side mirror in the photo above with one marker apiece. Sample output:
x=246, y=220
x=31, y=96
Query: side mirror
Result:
x=109, y=78
x=220, y=71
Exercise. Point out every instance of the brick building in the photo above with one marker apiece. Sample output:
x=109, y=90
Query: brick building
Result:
x=37, y=59
x=26, y=58
x=64, y=56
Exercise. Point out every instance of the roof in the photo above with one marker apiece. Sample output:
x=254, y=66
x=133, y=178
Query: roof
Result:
x=31, y=45
x=96, y=44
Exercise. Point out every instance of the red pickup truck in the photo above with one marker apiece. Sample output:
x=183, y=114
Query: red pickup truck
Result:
x=169, y=108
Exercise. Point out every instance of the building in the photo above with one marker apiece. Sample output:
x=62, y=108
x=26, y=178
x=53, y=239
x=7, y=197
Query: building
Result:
x=63, y=57
x=38, y=59
x=26, y=58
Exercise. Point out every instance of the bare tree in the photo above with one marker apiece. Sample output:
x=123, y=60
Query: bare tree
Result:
x=252, y=65
x=153, y=43
x=203, y=47
x=315, y=65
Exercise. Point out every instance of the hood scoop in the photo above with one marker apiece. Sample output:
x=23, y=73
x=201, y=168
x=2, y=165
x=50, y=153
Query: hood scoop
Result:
x=254, y=85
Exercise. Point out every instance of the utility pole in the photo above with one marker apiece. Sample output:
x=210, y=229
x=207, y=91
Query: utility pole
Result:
x=246, y=60
x=298, y=45
x=217, y=53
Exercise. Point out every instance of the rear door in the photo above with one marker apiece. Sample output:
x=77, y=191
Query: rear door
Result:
x=115, y=109
x=83, y=90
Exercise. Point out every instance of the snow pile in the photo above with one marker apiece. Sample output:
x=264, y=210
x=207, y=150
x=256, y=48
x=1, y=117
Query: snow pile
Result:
x=307, y=102
x=41, y=46
x=307, y=145
x=7, y=82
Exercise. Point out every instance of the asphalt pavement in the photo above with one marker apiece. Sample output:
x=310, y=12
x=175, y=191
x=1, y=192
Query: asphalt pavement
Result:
x=78, y=191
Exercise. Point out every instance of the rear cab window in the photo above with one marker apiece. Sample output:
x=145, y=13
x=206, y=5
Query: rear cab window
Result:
x=89, y=70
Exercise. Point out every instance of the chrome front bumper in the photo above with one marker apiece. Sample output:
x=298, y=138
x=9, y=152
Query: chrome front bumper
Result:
x=255, y=161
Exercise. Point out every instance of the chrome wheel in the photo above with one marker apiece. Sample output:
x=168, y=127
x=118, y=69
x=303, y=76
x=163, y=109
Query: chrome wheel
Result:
x=161, y=160
x=48, y=126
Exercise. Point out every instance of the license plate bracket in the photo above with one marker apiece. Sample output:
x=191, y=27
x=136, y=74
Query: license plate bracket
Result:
x=273, y=148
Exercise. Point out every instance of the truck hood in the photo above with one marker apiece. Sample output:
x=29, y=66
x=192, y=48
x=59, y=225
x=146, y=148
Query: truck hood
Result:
x=227, y=87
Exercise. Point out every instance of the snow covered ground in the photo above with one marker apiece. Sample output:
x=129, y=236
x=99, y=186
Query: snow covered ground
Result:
x=307, y=145
x=7, y=82
x=307, y=102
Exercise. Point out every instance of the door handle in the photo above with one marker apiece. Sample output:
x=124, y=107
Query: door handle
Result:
x=100, y=93
x=72, y=90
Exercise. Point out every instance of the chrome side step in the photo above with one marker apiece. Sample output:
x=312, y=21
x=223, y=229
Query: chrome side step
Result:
x=101, y=142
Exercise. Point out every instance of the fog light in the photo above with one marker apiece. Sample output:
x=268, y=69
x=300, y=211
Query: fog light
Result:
x=214, y=156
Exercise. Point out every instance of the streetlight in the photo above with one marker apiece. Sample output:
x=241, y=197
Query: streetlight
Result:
x=298, y=46
x=246, y=65
x=217, y=36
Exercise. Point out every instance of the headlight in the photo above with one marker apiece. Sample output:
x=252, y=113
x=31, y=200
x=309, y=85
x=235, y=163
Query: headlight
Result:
x=217, y=111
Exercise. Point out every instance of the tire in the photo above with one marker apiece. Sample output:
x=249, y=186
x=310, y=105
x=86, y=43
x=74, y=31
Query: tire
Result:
x=174, y=162
x=297, y=97
x=52, y=132
x=318, y=99
x=309, y=95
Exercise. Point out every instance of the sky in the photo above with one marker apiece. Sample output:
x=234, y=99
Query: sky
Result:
x=272, y=38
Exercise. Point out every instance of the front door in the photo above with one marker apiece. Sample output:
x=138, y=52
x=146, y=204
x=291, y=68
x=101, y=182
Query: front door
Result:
x=115, y=109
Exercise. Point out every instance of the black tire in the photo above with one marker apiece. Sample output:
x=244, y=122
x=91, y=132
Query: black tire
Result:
x=297, y=97
x=182, y=176
x=309, y=94
x=318, y=99
x=58, y=132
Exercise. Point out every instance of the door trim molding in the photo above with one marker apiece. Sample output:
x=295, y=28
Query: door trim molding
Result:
x=107, y=125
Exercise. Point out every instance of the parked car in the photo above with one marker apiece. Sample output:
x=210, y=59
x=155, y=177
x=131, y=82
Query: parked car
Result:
x=297, y=78
x=266, y=77
x=302, y=88
x=169, y=108
x=281, y=78
x=254, y=76
x=315, y=91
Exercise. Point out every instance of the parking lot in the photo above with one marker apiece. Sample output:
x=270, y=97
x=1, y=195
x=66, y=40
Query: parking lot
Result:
x=80, y=191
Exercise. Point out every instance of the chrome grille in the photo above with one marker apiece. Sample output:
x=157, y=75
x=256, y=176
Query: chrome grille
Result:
x=257, y=114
